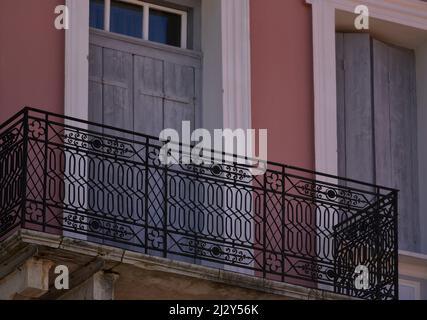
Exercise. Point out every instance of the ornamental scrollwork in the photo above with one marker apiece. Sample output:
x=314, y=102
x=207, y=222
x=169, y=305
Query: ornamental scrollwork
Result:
x=110, y=229
x=154, y=239
x=221, y=170
x=77, y=222
x=274, y=263
x=315, y=271
x=7, y=220
x=8, y=138
x=36, y=129
x=336, y=195
x=274, y=181
x=220, y=252
x=34, y=212
x=106, y=145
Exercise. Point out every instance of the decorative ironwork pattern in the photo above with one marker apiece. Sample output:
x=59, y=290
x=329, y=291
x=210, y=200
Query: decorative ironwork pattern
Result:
x=108, y=185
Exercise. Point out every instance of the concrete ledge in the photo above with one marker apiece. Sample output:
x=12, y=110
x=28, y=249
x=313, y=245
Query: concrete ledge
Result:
x=28, y=281
x=140, y=269
x=412, y=264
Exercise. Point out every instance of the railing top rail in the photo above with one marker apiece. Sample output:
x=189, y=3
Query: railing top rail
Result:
x=12, y=118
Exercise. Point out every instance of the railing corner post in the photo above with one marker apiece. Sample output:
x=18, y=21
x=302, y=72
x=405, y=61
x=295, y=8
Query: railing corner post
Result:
x=24, y=164
x=378, y=248
x=396, y=244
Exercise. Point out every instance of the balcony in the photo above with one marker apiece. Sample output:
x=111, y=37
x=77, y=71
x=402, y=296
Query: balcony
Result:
x=95, y=183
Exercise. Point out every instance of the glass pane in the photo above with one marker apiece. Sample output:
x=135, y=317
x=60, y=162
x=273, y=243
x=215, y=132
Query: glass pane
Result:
x=126, y=19
x=96, y=14
x=165, y=27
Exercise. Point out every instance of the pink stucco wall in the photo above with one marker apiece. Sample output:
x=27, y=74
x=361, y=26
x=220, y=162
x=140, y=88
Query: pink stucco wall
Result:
x=282, y=78
x=32, y=69
x=282, y=102
x=31, y=57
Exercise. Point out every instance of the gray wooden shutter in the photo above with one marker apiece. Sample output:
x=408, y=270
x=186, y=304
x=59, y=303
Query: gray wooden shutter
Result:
x=395, y=112
x=354, y=107
x=376, y=113
x=179, y=95
x=111, y=103
x=149, y=95
x=145, y=88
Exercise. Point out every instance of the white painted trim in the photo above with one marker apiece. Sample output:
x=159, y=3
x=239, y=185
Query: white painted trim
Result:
x=107, y=16
x=413, y=265
x=76, y=60
x=236, y=64
x=236, y=75
x=413, y=284
x=414, y=255
x=407, y=12
x=184, y=25
x=76, y=92
x=421, y=65
x=325, y=100
x=146, y=22
x=166, y=9
x=412, y=13
x=154, y=6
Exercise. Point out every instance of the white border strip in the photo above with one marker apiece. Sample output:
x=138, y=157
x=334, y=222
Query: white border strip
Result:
x=411, y=13
x=76, y=60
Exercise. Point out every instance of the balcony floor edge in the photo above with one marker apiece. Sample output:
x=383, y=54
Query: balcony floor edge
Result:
x=139, y=276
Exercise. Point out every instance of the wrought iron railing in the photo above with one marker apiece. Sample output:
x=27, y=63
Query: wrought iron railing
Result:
x=102, y=184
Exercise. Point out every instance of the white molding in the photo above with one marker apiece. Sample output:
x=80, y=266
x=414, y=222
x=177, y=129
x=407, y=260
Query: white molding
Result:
x=325, y=100
x=76, y=60
x=184, y=22
x=416, y=285
x=414, y=255
x=411, y=13
x=236, y=76
x=412, y=264
x=76, y=92
x=107, y=10
x=236, y=64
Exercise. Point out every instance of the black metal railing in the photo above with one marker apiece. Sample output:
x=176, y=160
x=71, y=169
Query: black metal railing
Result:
x=66, y=176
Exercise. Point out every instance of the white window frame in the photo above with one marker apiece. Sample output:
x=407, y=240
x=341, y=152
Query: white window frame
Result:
x=146, y=18
x=412, y=13
x=412, y=284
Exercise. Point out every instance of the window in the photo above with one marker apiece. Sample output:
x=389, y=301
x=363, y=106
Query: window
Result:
x=97, y=14
x=140, y=20
x=165, y=27
x=126, y=19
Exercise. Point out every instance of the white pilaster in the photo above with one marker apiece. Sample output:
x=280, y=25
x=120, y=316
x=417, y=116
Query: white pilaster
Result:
x=236, y=64
x=76, y=60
